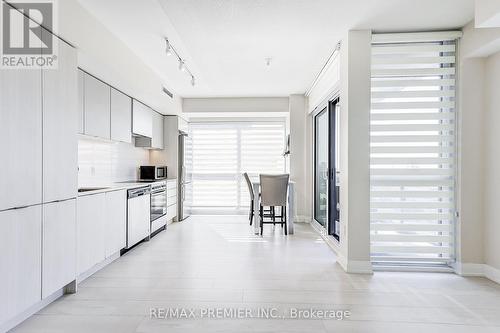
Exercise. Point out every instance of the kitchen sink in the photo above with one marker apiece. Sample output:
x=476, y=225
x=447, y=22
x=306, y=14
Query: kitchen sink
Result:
x=87, y=189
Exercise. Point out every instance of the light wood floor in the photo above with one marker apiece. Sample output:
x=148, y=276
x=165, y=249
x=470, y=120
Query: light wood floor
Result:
x=216, y=262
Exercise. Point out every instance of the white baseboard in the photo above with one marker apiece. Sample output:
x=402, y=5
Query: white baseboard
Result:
x=97, y=267
x=359, y=267
x=471, y=269
x=492, y=273
x=302, y=219
x=350, y=266
x=18, y=319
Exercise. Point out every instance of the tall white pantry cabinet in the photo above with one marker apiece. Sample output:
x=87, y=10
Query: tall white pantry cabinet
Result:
x=38, y=178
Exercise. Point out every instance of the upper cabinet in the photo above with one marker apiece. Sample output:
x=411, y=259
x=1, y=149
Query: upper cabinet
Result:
x=60, y=145
x=183, y=125
x=20, y=138
x=142, y=120
x=107, y=113
x=121, y=116
x=157, y=139
x=97, y=108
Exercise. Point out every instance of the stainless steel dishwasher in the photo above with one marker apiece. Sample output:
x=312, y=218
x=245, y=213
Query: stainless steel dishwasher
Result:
x=138, y=215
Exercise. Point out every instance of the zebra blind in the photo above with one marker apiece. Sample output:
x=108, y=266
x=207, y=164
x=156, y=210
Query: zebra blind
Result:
x=412, y=151
x=222, y=152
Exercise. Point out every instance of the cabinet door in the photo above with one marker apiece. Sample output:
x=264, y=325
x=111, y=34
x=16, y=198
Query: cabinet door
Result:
x=20, y=138
x=116, y=222
x=157, y=140
x=20, y=262
x=60, y=145
x=121, y=117
x=142, y=120
x=90, y=231
x=97, y=108
x=58, y=246
x=81, y=102
x=183, y=125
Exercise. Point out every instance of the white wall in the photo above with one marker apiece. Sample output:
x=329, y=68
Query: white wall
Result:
x=479, y=192
x=103, y=162
x=492, y=162
x=349, y=73
x=327, y=83
x=236, y=104
x=102, y=54
x=355, y=99
x=298, y=156
x=470, y=175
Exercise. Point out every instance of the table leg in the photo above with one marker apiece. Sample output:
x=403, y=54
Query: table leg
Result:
x=256, y=208
x=291, y=208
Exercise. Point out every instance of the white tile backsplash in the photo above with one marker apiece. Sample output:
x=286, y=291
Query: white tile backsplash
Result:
x=103, y=162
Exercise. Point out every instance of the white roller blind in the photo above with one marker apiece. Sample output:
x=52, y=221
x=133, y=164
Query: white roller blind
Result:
x=412, y=162
x=222, y=152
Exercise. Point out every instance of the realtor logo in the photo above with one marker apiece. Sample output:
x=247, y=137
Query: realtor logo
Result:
x=27, y=41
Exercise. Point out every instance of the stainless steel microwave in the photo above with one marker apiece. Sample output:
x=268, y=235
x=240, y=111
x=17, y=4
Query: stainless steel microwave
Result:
x=152, y=172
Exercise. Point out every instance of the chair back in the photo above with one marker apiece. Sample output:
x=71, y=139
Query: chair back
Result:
x=249, y=184
x=273, y=189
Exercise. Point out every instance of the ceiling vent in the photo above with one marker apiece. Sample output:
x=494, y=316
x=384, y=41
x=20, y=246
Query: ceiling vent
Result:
x=166, y=91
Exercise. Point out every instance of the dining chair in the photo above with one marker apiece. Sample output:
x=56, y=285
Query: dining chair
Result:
x=273, y=194
x=252, y=195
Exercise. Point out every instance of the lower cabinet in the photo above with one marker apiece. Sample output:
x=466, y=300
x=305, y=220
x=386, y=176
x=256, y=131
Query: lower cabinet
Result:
x=102, y=227
x=91, y=217
x=20, y=262
x=59, y=245
x=116, y=222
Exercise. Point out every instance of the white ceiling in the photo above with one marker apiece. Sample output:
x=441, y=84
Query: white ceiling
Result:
x=225, y=42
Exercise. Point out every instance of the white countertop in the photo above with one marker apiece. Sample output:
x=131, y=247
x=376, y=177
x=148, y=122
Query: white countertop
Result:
x=103, y=188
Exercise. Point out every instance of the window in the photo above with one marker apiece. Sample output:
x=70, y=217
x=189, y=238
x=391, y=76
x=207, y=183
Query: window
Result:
x=223, y=151
x=412, y=162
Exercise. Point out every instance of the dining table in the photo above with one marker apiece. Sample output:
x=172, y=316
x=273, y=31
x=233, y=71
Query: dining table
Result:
x=290, y=213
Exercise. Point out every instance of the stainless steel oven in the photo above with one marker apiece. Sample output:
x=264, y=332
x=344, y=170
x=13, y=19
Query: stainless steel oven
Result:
x=158, y=200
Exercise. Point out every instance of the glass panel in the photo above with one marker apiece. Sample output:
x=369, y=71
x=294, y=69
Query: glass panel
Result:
x=321, y=168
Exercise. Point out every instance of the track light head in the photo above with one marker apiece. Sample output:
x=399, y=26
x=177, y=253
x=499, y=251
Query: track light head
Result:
x=182, y=66
x=168, y=49
x=192, y=80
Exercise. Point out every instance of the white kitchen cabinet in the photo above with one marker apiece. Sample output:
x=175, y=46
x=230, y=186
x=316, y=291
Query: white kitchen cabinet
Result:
x=121, y=116
x=116, y=222
x=142, y=119
x=58, y=245
x=157, y=139
x=20, y=262
x=60, y=121
x=183, y=125
x=91, y=219
x=171, y=199
x=81, y=102
x=20, y=137
x=97, y=108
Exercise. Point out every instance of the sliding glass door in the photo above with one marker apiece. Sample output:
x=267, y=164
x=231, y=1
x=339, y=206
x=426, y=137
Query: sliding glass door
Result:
x=326, y=185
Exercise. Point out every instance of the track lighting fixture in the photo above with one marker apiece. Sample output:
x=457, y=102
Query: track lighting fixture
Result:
x=170, y=50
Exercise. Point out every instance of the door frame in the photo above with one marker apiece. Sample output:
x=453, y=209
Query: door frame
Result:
x=315, y=115
x=326, y=106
